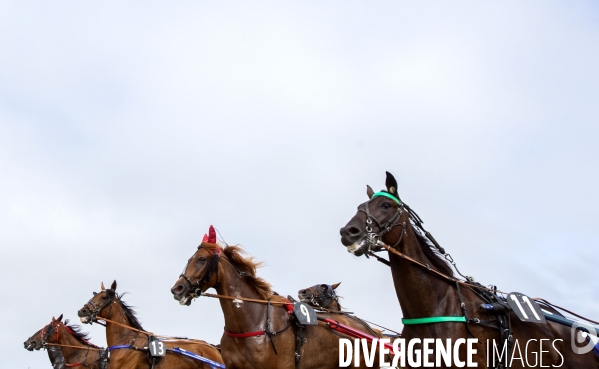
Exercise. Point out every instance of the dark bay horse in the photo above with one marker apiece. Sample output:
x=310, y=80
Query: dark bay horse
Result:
x=321, y=296
x=126, y=339
x=423, y=292
x=246, y=342
x=67, y=345
x=324, y=296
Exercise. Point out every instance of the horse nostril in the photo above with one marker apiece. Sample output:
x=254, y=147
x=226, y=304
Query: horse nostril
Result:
x=303, y=292
x=353, y=231
x=177, y=289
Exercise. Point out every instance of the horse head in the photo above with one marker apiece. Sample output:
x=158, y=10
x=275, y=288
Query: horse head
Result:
x=320, y=295
x=200, y=273
x=376, y=221
x=100, y=305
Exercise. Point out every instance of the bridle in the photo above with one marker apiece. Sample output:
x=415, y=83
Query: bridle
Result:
x=44, y=336
x=325, y=299
x=56, y=345
x=93, y=315
x=373, y=239
x=195, y=288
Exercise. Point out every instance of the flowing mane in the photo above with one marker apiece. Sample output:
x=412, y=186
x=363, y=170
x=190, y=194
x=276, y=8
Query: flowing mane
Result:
x=81, y=336
x=129, y=313
x=247, y=264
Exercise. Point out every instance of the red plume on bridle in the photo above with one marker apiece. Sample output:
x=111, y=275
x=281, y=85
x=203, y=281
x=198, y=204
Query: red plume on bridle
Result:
x=210, y=237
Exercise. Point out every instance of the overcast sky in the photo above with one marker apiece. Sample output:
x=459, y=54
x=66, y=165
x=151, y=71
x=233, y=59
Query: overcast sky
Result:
x=127, y=129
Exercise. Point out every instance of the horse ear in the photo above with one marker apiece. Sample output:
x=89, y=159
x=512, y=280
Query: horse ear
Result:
x=369, y=191
x=113, y=286
x=336, y=285
x=53, y=319
x=391, y=184
x=59, y=318
x=102, y=286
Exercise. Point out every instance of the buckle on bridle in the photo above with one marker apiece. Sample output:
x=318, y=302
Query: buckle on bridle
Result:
x=373, y=243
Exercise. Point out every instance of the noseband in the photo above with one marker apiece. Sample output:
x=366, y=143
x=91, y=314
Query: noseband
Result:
x=372, y=238
x=195, y=288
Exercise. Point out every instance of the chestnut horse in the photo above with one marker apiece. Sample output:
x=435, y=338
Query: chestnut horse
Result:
x=72, y=344
x=321, y=296
x=128, y=342
x=258, y=334
x=424, y=292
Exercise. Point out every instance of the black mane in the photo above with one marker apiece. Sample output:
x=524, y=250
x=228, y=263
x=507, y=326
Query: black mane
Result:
x=81, y=336
x=430, y=251
x=129, y=313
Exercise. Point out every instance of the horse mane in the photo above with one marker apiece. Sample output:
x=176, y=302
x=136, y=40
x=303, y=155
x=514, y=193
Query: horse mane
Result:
x=429, y=249
x=247, y=264
x=129, y=312
x=337, y=299
x=81, y=336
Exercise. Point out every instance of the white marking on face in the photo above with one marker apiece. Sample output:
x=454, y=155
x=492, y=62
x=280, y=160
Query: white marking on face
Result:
x=237, y=303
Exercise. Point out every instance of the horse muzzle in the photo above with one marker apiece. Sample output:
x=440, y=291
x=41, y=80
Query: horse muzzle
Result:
x=181, y=293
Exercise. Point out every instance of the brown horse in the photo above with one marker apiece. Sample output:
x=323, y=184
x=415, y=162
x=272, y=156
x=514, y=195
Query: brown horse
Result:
x=321, y=296
x=249, y=340
x=423, y=291
x=128, y=342
x=54, y=353
x=73, y=345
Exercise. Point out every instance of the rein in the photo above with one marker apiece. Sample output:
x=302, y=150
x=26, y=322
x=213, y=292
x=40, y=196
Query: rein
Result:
x=89, y=346
x=164, y=338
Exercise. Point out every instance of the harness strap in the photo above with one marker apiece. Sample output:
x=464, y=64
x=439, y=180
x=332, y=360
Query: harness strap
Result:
x=118, y=347
x=352, y=332
x=245, y=335
x=213, y=364
x=434, y=319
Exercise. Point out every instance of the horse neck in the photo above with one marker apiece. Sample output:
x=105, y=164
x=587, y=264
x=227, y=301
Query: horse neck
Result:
x=420, y=293
x=66, y=338
x=116, y=333
x=249, y=316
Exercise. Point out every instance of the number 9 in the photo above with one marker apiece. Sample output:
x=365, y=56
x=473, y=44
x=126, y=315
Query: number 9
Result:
x=304, y=311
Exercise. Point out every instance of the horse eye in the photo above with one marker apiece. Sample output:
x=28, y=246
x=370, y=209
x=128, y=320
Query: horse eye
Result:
x=386, y=205
x=202, y=259
x=324, y=288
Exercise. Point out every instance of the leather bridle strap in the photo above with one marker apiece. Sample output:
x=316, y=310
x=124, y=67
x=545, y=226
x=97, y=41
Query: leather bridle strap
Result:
x=44, y=338
x=196, y=287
